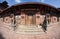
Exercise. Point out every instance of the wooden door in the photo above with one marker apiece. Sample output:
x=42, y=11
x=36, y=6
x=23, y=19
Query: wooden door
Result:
x=29, y=20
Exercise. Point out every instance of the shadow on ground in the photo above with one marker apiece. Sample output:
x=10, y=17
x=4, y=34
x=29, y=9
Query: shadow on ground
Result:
x=1, y=37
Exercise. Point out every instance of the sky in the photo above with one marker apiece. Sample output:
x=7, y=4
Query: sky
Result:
x=55, y=3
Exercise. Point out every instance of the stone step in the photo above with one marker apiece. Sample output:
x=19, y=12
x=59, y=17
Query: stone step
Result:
x=29, y=29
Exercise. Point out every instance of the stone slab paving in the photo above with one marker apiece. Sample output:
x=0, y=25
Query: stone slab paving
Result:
x=53, y=32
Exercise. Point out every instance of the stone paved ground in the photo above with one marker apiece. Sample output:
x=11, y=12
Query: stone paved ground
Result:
x=53, y=32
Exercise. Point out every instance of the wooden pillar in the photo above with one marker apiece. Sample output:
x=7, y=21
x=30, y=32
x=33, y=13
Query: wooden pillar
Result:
x=57, y=19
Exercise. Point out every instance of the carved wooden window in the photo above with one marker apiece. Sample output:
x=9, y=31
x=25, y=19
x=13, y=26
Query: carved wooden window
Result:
x=7, y=19
x=53, y=19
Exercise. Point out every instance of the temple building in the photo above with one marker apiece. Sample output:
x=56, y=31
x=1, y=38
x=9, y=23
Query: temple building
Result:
x=29, y=16
x=3, y=6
